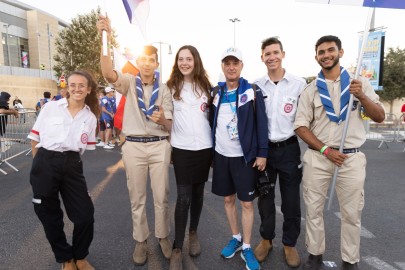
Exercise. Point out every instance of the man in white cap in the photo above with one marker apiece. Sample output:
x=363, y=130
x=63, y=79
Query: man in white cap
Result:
x=239, y=128
x=108, y=110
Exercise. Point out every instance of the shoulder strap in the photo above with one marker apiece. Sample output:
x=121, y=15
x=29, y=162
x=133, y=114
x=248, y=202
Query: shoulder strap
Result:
x=254, y=87
x=215, y=90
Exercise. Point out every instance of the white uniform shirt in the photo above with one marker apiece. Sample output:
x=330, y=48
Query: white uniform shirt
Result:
x=281, y=104
x=56, y=130
x=190, y=129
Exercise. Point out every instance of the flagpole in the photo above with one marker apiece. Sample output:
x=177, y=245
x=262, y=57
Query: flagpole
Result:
x=349, y=107
x=104, y=36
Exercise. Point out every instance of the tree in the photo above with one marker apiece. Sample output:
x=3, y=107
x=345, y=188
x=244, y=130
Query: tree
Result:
x=78, y=46
x=394, y=76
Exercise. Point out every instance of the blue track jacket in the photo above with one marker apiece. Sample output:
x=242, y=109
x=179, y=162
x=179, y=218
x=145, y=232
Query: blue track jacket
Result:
x=252, y=119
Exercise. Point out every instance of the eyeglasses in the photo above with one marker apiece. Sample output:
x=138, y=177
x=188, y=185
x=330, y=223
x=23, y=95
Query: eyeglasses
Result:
x=74, y=86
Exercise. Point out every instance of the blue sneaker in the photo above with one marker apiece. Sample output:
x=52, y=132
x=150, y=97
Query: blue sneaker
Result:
x=233, y=246
x=250, y=259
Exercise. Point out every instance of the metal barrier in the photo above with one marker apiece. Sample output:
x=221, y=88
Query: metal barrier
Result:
x=401, y=130
x=13, y=138
x=384, y=132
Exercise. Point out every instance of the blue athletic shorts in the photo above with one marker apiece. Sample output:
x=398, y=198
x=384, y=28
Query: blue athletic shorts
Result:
x=232, y=175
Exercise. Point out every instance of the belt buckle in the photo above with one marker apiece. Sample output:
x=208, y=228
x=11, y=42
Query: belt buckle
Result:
x=144, y=140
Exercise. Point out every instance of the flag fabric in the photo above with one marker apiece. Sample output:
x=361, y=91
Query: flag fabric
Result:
x=138, y=12
x=362, y=3
x=126, y=66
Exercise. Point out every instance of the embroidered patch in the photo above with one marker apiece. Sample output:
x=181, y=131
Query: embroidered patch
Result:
x=243, y=99
x=288, y=107
x=203, y=107
x=204, y=98
x=84, y=138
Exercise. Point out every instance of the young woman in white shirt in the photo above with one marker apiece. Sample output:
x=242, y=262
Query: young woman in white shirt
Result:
x=192, y=145
x=63, y=131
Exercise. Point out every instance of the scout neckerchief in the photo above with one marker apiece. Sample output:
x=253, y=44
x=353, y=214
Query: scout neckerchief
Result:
x=344, y=95
x=155, y=93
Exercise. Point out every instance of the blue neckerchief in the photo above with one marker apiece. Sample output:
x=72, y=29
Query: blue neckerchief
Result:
x=155, y=93
x=230, y=97
x=344, y=95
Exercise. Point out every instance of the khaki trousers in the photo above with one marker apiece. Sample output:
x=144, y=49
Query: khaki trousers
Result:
x=138, y=157
x=318, y=173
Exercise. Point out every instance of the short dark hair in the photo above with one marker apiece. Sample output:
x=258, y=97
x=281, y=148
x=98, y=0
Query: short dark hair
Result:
x=329, y=38
x=149, y=50
x=270, y=41
x=47, y=94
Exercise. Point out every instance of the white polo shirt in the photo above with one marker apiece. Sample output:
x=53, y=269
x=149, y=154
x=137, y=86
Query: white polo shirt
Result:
x=281, y=104
x=56, y=130
x=190, y=128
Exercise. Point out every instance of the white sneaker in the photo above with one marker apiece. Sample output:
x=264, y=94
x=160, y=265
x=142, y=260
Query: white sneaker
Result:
x=108, y=146
x=100, y=144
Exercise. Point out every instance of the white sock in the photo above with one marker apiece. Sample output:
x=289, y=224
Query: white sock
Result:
x=245, y=246
x=237, y=237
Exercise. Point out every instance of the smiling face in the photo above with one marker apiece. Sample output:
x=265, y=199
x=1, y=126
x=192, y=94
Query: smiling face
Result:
x=78, y=87
x=185, y=63
x=272, y=57
x=232, y=68
x=328, y=55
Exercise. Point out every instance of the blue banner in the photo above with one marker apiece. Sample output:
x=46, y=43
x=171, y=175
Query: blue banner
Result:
x=373, y=59
x=384, y=4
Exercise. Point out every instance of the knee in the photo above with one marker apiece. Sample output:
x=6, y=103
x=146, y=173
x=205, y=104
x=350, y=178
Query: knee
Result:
x=183, y=200
x=247, y=206
x=230, y=200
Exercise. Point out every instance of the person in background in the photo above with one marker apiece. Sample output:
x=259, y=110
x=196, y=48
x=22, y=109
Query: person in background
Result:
x=239, y=130
x=192, y=146
x=403, y=112
x=108, y=110
x=5, y=111
x=16, y=100
x=62, y=132
x=284, y=157
x=320, y=121
x=62, y=94
x=147, y=124
x=43, y=101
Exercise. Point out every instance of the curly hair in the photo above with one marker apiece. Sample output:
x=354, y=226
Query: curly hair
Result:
x=92, y=98
x=200, y=77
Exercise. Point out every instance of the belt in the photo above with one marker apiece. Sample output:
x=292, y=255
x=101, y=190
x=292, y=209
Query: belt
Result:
x=58, y=154
x=145, y=139
x=345, y=151
x=290, y=140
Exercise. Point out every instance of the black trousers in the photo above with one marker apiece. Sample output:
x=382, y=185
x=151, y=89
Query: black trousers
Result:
x=55, y=173
x=284, y=162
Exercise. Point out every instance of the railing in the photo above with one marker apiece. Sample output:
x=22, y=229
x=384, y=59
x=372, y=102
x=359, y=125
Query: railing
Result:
x=13, y=136
x=390, y=130
x=29, y=72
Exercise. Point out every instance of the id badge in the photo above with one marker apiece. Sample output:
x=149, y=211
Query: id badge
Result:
x=232, y=128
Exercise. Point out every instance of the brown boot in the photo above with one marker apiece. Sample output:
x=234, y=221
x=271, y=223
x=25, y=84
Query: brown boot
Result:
x=291, y=256
x=263, y=249
x=176, y=260
x=166, y=247
x=69, y=265
x=84, y=265
x=140, y=255
x=194, y=244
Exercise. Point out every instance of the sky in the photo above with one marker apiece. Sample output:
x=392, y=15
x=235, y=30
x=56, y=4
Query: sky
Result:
x=206, y=25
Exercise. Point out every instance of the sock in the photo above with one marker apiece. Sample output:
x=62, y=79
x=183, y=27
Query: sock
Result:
x=245, y=246
x=237, y=237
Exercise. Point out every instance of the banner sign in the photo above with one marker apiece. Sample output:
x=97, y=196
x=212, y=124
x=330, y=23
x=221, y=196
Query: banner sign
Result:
x=373, y=59
x=362, y=3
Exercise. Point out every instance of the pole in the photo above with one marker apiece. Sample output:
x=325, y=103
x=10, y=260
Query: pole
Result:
x=39, y=53
x=8, y=48
x=356, y=75
x=234, y=20
x=49, y=49
x=160, y=57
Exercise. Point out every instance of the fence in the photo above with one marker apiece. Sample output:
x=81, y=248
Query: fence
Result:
x=390, y=130
x=13, y=136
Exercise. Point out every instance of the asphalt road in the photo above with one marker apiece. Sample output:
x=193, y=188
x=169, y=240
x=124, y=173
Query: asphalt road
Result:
x=23, y=244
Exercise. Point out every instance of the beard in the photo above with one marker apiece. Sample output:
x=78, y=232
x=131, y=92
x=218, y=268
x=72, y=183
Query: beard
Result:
x=335, y=62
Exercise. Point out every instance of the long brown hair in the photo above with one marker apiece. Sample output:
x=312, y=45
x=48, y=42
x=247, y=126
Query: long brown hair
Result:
x=91, y=99
x=200, y=77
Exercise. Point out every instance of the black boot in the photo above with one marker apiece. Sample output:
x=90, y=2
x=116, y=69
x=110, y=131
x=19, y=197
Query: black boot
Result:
x=349, y=266
x=314, y=262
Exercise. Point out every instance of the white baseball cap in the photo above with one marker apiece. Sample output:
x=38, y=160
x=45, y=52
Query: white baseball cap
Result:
x=109, y=89
x=232, y=51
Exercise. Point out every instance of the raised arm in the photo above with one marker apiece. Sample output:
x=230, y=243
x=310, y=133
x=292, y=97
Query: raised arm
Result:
x=111, y=76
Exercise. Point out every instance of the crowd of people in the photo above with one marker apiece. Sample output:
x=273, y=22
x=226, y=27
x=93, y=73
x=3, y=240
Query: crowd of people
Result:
x=241, y=128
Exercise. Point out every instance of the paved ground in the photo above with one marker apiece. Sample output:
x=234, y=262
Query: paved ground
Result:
x=23, y=244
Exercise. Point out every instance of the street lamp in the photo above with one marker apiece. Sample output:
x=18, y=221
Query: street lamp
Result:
x=234, y=20
x=8, y=47
x=160, y=55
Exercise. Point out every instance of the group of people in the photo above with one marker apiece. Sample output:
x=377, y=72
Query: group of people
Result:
x=237, y=127
x=106, y=121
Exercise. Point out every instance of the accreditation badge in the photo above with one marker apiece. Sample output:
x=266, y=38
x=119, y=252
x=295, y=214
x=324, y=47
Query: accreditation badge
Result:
x=232, y=128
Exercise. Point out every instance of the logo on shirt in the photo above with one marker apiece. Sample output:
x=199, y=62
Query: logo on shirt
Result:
x=203, y=106
x=243, y=99
x=84, y=138
x=251, y=192
x=288, y=107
